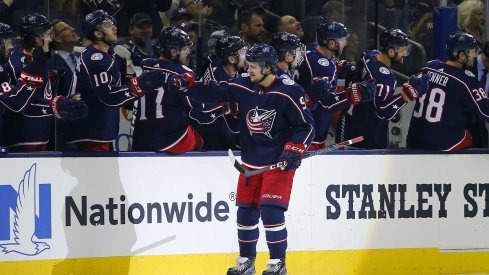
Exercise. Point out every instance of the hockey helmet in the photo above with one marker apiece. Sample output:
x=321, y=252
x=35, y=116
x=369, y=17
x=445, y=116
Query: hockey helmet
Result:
x=328, y=30
x=173, y=38
x=284, y=42
x=6, y=31
x=393, y=38
x=32, y=25
x=263, y=54
x=460, y=42
x=93, y=21
x=229, y=46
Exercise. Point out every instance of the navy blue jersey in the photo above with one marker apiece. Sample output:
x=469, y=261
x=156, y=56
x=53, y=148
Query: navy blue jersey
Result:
x=223, y=133
x=370, y=119
x=163, y=116
x=33, y=126
x=269, y=117
x=441, y=116
x=99, y=83
x=315, y=65
x=15, y=98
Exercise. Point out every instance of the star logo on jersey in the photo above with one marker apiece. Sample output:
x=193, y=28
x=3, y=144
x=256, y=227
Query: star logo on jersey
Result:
x=44, y=111
x=127, y=94
x=395, y=106
x=30, y=88
x=213, y=116
x=260, y=121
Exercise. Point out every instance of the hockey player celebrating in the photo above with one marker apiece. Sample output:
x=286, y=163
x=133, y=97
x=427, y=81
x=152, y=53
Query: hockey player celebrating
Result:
x=320, y=63
x=289, y=51
x=275, y=125
x=99, y=83
x=440, y=118
x=370, y=118
x=163, y=117
x=30, y=130
x=223, y=133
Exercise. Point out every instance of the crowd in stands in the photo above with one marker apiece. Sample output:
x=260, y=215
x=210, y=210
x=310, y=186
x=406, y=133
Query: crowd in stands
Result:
x=208, y=28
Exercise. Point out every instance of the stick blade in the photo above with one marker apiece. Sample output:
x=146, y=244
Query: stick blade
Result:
x=235, y=162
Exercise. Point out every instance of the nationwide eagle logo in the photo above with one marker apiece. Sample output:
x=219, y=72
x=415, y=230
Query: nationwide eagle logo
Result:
x=25, y=242
x=260, y=121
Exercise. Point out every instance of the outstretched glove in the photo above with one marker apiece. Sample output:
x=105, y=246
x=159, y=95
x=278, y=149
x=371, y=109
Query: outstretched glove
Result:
x=292, y=154
x=68, y=108
x=147, y=81
x=416, y=87
x=361, y=91
x=182, y=81
x=318, y=89
x=344, y=68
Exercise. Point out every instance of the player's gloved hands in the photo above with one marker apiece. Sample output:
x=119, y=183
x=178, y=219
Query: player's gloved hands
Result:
x=137, y=59
x=416, y=87
x=344, y=68
x=147, y=81
x=361, y=92
x=69, y=108
x=292, y=154
x=182, y=81
x=318, y=89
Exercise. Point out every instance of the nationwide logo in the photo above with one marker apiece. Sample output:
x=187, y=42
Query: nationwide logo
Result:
x=260, y=121
x=31, y=219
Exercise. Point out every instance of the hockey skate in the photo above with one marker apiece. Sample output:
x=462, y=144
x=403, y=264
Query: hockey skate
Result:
x=244, y=266
x=275, y=267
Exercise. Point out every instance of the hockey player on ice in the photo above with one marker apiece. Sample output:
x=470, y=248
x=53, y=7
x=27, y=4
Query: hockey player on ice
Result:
x=275, y=125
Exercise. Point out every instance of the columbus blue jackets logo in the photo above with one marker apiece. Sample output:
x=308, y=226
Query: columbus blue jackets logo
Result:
x=260, y=121
x=323, y=62
x=27, y=211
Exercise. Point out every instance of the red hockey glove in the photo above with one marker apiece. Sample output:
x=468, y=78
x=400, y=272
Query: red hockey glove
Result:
x=68, y=108
x=416, y=87
x=32, y=80
x=354, y=93
x=344, y=68
x=292, y=154
x=183, y=81
x=147, y=81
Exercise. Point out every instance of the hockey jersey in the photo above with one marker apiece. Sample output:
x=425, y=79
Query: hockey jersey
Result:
x=100, y=86
x=163, y=116
x=441, y=116
x=315, y=65
x=223, y=133
x=370, y=118
x=269, y=117
x=33, y=126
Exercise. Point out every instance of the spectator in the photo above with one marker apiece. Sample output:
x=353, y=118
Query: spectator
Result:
x=140, y=33
x=5, y=7
x=250, y=26
x=289, y=24
x=471, y=19
x=335, y=10
x=179, y=16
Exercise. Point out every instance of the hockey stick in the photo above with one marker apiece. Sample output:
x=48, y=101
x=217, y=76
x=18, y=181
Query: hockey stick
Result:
x=126, y=54
x=282, y=164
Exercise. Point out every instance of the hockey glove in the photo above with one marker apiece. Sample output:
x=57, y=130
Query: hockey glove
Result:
x=147, y=81
x=292, y=154
x=416, y=87
x=318, y=89
x=183, y=81
x=68, y=108
x=361, y=92
x=344, y=68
